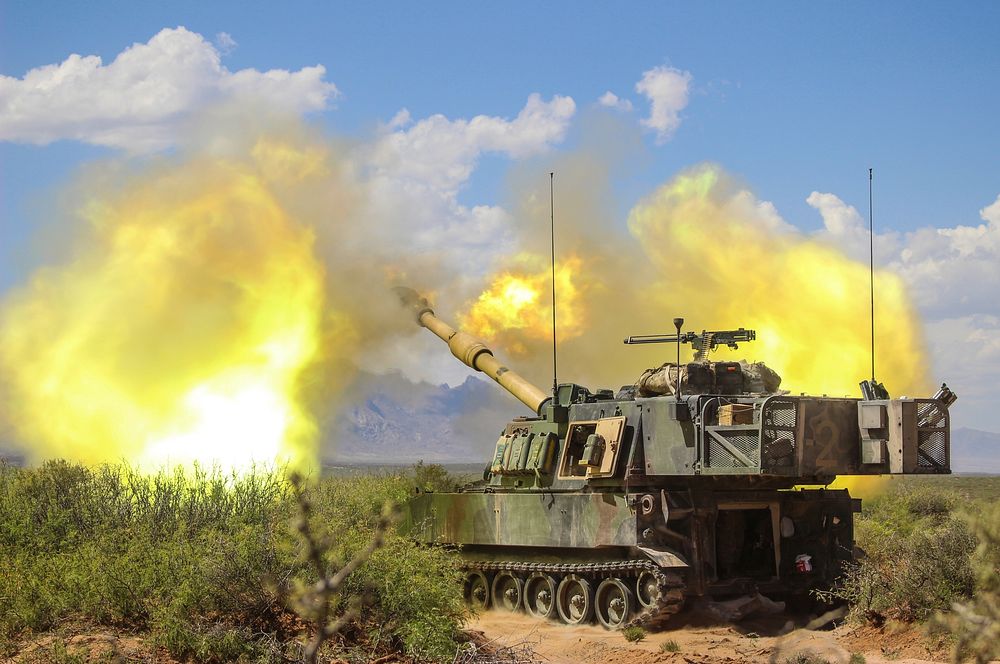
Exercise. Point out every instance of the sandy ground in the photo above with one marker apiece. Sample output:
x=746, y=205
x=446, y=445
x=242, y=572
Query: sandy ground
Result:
x=699, y=641
x=698, y=638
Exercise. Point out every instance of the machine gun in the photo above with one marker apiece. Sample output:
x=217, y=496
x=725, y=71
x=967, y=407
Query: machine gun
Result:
x=703, y=343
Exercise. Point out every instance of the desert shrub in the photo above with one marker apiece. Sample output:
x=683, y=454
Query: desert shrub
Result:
x=433, y=477
x=918, y=558
x=416, y=590
x=418, y=596
x=634, y=634
x=670, y=646
x=806, y=658
x=185, y=640
x=206, y=561
x=976, y=622
x=58, y=652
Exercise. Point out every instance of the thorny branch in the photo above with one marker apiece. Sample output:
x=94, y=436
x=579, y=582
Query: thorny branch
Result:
x=521, y=653
x=478, y=651
x=324, y=590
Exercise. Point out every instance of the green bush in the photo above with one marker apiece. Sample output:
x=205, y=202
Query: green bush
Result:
x=634, y=634
x=416, y=590
x=806, y=658
x=917, y=558
x=433, y=477
x=976, y=623
x=207, y=562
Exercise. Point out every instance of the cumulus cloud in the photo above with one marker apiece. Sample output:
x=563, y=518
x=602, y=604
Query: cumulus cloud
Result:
x=955, y=271
x=667, y=91
x=966, y=353
x=844, y=227
x=414, y=171
x=138, y=101
x=225, y=43
x=952, y=272
x=611, y=100
x=442, y=153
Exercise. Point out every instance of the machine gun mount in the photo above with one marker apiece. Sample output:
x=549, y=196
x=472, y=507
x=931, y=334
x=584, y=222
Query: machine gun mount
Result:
x=703, y=343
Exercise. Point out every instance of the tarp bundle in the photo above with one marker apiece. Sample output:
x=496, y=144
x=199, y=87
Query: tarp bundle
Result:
x=698, y=378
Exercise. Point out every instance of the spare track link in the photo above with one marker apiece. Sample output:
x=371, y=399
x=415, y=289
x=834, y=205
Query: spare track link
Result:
x=670, y=585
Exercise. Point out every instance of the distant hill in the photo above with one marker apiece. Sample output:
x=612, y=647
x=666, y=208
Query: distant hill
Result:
x=974, y=451
x=390, y=419
x=8, y=451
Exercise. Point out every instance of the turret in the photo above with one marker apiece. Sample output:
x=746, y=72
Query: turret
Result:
x=473, y=352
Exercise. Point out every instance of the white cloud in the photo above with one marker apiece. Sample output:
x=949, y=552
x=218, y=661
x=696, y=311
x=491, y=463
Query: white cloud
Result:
x=844, y=227
x=415, y=171
x=951, y=272
x=440, y=153
x=955, y=271
x=138, y=101
x=400, y=119
x=840, y=219
x=667, y=91
x=966, y=353
x=225, y=43
x=611, y=100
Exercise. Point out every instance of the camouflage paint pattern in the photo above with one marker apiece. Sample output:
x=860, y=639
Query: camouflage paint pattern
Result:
x=572, y=520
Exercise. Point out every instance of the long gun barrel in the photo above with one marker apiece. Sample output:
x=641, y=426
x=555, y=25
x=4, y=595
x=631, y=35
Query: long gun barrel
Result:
x=473, y=352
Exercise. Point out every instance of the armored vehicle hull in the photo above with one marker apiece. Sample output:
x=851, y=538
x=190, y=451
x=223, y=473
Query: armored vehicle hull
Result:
x=619, y=506
x=648, y=549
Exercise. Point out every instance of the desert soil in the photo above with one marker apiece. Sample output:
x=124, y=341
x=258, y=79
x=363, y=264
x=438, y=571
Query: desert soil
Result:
x=700, y=640
x=520, y=638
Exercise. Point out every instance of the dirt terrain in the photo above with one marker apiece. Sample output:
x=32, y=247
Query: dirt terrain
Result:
x=518, y=638
x=701, y=640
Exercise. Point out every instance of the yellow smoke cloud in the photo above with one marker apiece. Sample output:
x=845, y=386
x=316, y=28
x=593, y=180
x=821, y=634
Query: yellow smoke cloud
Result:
x=517, y=305
x=704, y=248
x=180, y=328
x=212, y=297
x=725, y=260
x=862, y=486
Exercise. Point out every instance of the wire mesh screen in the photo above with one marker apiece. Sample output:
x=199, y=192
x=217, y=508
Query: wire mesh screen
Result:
x=777, y=434
x=932, y=436
x=726, y=448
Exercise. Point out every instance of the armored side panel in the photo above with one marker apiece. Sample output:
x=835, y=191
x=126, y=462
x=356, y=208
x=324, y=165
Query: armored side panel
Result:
x=804, y=439
x=524, y=519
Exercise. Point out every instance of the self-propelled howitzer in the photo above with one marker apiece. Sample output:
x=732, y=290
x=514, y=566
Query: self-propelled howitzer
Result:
x=683, y=484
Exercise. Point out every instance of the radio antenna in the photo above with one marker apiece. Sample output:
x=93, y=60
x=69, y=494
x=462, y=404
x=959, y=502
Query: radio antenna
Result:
x=871, y=265
x=552, y=230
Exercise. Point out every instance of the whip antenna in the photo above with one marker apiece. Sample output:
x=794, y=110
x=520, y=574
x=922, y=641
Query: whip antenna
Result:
x=871, y=265
x=552, y=230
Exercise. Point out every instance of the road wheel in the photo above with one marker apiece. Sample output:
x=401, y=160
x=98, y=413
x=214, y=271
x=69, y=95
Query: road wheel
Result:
x=508, y=591
x=575, y=600
x=540, y=595
x=647, y=589
x=477, y=590
x=613, y=603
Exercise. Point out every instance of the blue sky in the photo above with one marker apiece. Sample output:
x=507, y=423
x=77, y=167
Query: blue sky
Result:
x=793, y=98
